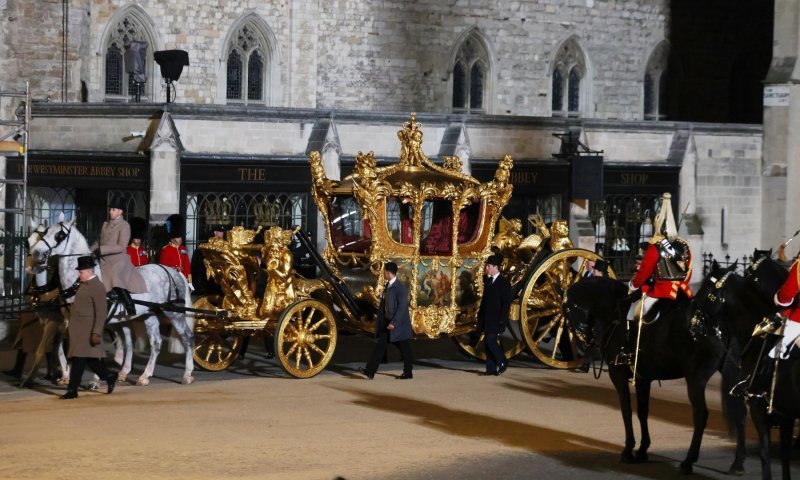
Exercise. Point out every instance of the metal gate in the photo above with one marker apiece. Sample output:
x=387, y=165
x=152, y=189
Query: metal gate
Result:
x=623, y=225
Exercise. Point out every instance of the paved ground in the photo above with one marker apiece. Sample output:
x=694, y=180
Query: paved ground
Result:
x=254, y=422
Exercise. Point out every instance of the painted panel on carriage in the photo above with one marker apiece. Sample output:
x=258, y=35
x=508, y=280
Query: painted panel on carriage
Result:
x=466, y=287
x=434, y=282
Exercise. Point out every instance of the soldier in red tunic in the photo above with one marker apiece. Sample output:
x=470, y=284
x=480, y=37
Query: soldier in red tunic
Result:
x=174, y=254
x=135, y=249
x=666, y=267
x=786, y=297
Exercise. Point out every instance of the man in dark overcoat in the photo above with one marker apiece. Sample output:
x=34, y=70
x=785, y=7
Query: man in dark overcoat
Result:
x=393, y=325
x=86, y=322
x=493, y=314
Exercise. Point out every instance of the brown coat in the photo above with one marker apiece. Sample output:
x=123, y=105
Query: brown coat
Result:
x=87, y=316
x=115, y=264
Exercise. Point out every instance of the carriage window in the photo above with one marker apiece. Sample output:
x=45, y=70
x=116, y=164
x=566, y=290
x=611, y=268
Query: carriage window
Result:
x=349, y=232
x=437, y=228
x=399, y=221
x=468, y=222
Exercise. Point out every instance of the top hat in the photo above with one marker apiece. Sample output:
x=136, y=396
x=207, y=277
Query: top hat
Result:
x=117, y=202
x=601, y=266
x=85, y=263
x=390, y=267
x=495, y=260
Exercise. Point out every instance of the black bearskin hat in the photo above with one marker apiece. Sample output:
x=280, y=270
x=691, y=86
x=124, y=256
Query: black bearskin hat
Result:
x=175, y=225
x=138, y=227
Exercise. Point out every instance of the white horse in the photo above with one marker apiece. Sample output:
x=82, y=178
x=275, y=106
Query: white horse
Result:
x=164, y=286
x=40, y=281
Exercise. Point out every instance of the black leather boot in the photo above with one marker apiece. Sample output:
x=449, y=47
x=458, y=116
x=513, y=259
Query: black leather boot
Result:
x=125, y=297
x=19, y=364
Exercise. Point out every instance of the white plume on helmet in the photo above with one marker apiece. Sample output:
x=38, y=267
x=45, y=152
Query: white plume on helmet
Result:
x=664, y=224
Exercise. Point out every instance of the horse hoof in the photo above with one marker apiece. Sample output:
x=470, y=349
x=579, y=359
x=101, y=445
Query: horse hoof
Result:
x=627, y=457
x=187, y=380
x=736, y=470
x=143, y=382
x=686, y=468
x=641, y=456
x=122, y=377
x=63, y=381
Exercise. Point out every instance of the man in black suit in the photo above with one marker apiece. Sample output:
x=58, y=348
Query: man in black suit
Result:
x=393, y=326
x=493, y=314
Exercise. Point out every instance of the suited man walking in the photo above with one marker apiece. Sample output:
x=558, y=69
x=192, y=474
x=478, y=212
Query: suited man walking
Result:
x=493, y=314
x=86, y=322
x=393, y=325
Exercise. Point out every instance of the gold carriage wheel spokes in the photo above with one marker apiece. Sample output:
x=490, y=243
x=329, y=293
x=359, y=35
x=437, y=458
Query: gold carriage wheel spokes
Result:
x=214, y=348
x=305, y=338
x=511, y=346
x=546, y=331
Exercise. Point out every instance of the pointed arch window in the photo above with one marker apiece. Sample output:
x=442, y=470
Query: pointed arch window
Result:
x=119, y=85
x=568, y=84
x=248, y=65
x=470, y=73
x=655, y=84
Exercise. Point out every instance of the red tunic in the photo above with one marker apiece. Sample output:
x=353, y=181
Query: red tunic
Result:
x=176, y=257
x=787, y=294
x=138, y=255
x=659, y=288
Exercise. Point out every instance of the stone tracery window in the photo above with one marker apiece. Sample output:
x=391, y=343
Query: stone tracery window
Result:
x=568, y=85
x=117, y=84
x=470, y=73
x=655, y=80
x=248, y=64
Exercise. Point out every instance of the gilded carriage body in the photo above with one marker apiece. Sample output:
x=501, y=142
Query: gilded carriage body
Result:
x=436, y=223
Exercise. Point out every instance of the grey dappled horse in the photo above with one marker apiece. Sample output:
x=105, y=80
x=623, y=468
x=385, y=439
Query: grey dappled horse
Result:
x=164, y=285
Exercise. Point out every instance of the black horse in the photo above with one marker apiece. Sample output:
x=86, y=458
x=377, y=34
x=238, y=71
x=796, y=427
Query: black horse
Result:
x=763, y=278
x=667, y=350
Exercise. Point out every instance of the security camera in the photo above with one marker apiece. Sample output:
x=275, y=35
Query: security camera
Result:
x=139, y=134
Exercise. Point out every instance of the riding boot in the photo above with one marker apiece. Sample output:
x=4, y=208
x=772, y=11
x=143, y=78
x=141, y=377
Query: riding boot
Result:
x=127, y=301
x=51, y=371
x=19, y=363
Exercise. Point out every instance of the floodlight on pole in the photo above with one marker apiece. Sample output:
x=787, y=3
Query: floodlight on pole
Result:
x=171, y=63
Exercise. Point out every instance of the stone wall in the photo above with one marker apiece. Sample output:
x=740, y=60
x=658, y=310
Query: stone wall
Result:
x=353, y=54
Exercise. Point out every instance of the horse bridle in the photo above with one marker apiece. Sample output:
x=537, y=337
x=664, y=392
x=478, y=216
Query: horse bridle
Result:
x=61, y=236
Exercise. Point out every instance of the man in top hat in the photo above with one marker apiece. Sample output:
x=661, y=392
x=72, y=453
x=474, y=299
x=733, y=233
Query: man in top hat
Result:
x=393, y=325
x=116, y=268
x=493, y=314
x=666, y=267
x=174, y=254
x=135, y=250
x=86, y=322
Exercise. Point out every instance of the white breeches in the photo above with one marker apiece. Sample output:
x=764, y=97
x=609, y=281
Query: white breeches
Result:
x=644, y=302
x=790, y=333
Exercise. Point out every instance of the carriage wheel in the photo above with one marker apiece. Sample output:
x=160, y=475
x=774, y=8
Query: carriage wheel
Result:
x=305, y=338
x=546, y=332
x=214, y=348
x=508, y=341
